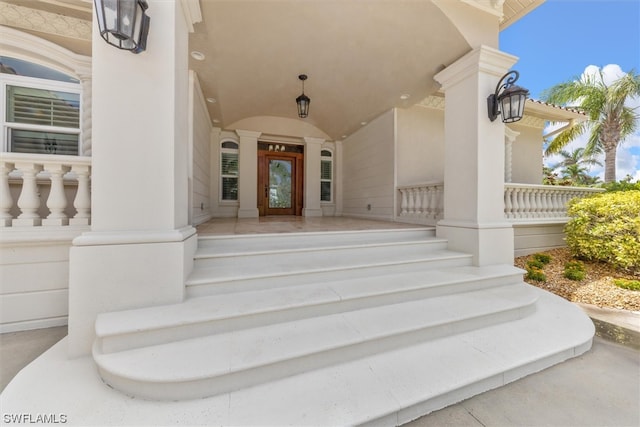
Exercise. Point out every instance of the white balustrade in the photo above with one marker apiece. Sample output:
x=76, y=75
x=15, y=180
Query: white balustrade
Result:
x=33, y=175
x=535, y=202
x=422, y=203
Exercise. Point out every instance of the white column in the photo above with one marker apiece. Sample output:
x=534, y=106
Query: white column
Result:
x=57, y=200
x=6, y=201
x=312, y=150
x=474, y=159
x=140, y=248
x=29, y=200
x=337, y=178
x=248, y=170
x=509, y=138
x=86, y=81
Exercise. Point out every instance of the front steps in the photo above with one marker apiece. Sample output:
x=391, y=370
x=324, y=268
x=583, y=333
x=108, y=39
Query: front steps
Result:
x=284, y=310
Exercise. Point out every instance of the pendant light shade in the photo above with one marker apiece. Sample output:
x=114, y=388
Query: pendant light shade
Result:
x=303, y=100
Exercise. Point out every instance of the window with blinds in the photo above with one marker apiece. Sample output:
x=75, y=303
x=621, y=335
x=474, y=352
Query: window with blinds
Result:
x=326, y=176
x=229, y=171
x=42, y=113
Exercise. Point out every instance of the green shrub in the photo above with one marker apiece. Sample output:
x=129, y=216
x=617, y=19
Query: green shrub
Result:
x=543, y=258
x=621, y=186
x=534, y=263
x=574, y=270
x=535, y=274
x=632, y=285
x=606, y=227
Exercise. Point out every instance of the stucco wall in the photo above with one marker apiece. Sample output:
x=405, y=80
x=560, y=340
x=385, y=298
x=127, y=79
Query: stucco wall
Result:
x=420, y=145
x=527, y=156
x=368, y=170
x=201, y=172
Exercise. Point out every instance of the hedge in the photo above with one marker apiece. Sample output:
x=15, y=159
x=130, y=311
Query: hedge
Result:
x=606, y=227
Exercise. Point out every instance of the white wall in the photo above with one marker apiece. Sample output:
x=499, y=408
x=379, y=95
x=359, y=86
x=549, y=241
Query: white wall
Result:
x=527, y=155
x=368, y=170
x=34, y=278
x=420, y=145
x=201, y=163
x=532, y=238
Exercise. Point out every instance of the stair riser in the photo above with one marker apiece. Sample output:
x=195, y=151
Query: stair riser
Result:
x=279, y=262
x=218, y=285
x=241, y=243
x=143, y=338
x=211, y=386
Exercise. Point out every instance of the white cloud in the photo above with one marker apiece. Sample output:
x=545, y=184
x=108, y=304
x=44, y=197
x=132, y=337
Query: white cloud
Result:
x=628, y=155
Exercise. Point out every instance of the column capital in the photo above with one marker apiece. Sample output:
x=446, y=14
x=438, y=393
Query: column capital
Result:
x=248, y=134
x=510, y=134
x=311, y=140
x=483, y=59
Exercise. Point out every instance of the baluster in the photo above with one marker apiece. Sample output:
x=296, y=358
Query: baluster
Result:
x=6, y=201
x=29, y=200
x=419, y=202
x=517, y=203
x=439, y=201
x=82, y=202
x=404, y=203
x=544, y=203
x=412, y=206
x=507, y=202
x=57, y=200
x=558, y=209
x=429, y=208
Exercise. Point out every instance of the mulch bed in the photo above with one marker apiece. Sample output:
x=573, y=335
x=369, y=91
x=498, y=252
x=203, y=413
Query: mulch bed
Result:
x=597, y=288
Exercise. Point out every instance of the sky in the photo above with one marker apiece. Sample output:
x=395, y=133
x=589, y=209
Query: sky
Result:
x=562, y=39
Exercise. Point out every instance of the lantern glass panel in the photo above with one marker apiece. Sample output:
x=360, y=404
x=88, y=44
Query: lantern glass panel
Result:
x=110, y=15
x=127, y=17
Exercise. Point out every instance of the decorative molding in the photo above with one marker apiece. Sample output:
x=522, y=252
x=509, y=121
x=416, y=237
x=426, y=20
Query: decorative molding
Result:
x=21, y=45
x=435, y=102
x=44, y=22
x=533, y=122
x=192, y=12
x=493, y=7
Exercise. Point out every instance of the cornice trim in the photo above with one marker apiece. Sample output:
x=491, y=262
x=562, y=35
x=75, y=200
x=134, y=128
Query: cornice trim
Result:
x=44, y=22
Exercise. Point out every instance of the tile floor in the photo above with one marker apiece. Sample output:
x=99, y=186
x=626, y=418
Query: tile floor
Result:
x=292, y=224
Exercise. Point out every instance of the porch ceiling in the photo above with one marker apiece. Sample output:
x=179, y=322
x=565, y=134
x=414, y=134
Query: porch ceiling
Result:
x=360, y=58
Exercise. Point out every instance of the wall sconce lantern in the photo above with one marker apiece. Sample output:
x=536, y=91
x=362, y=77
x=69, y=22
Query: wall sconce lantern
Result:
x=509, y=103
x=123, y=23
x=303, y=100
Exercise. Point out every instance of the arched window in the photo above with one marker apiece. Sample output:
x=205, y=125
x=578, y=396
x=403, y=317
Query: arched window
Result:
x=326, y=176
x=229, y=171
x=41, y=109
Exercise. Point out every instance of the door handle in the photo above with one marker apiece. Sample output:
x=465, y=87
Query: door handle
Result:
x=266, y=191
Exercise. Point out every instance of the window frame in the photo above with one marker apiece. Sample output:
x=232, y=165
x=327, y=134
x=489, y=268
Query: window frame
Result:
x=37, y=83
x=235, y=151
x=329, y=159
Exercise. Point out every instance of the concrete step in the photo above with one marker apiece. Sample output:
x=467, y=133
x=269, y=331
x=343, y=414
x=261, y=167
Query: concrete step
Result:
x=199, y=316
x=221, y=280
x=226, y=362
x=239, y=243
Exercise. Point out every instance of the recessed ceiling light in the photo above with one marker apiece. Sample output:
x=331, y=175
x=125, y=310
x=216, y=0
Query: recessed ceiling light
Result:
x=216, y=121
x=198, y=56
x=212, y=100
x=363, y=123
x=344, y=136
x=405, y=96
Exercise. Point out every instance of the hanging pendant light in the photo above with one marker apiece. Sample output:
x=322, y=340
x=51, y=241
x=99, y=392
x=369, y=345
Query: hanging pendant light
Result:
x=123, y=23
x=303, y=100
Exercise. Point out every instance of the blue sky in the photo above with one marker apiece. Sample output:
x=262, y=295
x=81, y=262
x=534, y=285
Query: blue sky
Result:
x=558, y=40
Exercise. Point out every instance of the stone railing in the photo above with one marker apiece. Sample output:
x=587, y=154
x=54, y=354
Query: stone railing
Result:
x=44, y=190
x=540, y=202
x=422, y=203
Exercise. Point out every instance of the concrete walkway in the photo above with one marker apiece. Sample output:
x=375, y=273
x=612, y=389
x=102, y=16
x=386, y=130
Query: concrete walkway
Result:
x=601, y=387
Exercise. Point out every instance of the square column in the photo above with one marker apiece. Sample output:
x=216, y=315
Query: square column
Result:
x=140, y=248
x=474, y=159
x=312, y=151
x=248, y=170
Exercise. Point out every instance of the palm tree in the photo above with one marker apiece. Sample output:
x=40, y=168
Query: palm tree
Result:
x=575, y=157
x=609, y=120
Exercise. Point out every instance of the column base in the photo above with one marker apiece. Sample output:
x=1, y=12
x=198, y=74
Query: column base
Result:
x=489, y=243
x=55, y=221
x=79, y=221
x=119, y=271
x=248, y=213
x=26, y=222
x=311, y=212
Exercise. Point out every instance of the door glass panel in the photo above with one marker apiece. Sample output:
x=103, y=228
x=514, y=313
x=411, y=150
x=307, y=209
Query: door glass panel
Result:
x=280, y=183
